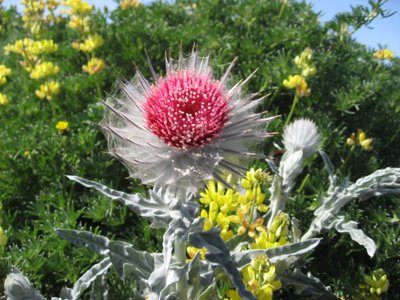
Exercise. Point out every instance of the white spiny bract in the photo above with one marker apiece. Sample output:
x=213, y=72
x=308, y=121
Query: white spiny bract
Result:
x=185, y=128
x=301, y=134
x=18, y=287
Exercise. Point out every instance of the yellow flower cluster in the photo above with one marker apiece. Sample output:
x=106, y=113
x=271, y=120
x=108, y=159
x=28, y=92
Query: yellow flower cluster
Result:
x=363, y=141
x=48, y=90
x=80, y=23
x=33, y=15
x=43, y=70
x=125, y=4
x=303, y=61
x=3, y=99
x=62, y=126
x=78, y=7
x=4, y=71
x=260, y=279
x=298, y=82
x=30, y=48
x=384, y=54
x=227, y=207
x=275, y=236
x=91, y=43
x=31, y=51
x=95, y=65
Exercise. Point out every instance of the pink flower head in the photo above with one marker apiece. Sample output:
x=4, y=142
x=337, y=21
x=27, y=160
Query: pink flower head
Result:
x=186, y=109
x=185, y=128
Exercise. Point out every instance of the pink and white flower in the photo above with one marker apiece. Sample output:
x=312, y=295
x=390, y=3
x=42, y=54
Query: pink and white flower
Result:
x=184, y=128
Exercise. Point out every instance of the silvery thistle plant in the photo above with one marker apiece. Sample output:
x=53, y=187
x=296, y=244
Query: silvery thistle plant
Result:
x=177, y=133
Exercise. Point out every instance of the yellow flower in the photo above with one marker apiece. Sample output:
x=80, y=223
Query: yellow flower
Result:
x=91, y=43
x=43, y=70
x=365, y=143
x=351, y=140
x=192, y=251
x=384, y=54
x=27, y=153
x=274, y=237
x=81, y=24
x=3, y=99
x=95, y=65
x=299, y=83
x=42, y=47
x=303, y=61
x=62, y=126
x=48, y=90
x=259, y=277
x=4, y=71
x=233, y=295
x=78, y=7
x=125, y=4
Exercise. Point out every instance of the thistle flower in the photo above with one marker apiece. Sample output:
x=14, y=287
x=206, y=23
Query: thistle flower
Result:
x=301, y=134
x=185, y=128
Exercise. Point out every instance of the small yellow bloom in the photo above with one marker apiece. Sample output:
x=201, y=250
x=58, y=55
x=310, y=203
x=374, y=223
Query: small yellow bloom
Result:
x=62, y=126
x=43, y=70
x=192, y=251
x=27, y=153
x=95, y=65
x=4, y=71
x=384, y=54
x=91, y=43
x=365, y=143
x=3, y=99
x=303, y=61
x=48, y=90
x=299, y=83
x=351, y=140
x=125, y=4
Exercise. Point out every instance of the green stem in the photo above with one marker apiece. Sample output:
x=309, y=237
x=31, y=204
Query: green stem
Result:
x=282, y=9
x=289, y=117
x=348, y=157
x=303, y=184
x=180, y=256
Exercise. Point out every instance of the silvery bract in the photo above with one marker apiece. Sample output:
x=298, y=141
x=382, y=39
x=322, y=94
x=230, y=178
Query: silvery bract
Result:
x=184, y=128
x=18, y=287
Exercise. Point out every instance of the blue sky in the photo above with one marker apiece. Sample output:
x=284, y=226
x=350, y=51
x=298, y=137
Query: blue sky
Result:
x=385, y=32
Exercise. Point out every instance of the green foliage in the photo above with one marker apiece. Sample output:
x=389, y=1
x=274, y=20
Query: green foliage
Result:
x=351, y=90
